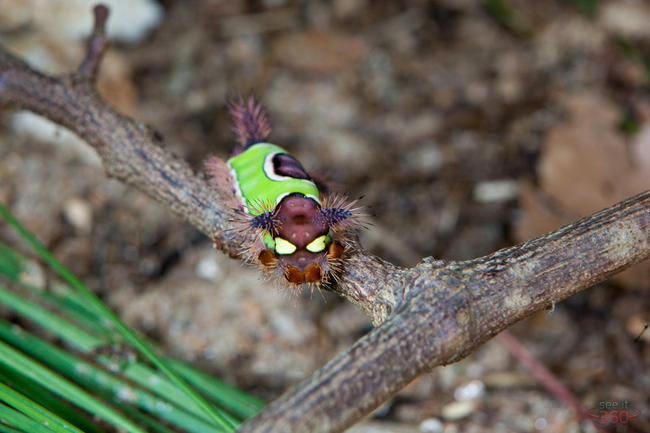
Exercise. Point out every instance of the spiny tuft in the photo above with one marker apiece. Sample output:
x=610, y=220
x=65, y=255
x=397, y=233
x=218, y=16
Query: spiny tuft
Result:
x=340, y=214
x=266, y=222
x=335, y=215
x=251, y=124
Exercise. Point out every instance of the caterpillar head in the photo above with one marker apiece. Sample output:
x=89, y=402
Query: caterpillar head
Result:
x=304, y=241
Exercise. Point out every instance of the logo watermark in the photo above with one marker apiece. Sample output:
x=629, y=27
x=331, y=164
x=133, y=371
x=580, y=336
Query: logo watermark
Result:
x=615, y=412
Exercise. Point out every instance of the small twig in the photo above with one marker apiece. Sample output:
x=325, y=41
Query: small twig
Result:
x=638, y=337
x=97, y=46
x=544, y=375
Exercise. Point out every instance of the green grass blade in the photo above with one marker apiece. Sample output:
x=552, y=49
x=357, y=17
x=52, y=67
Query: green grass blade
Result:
x=12, y=266
x=225, y=395
x=50, y=321
x=69, y=305
x=233, y=399
x=86, y=343
x=73, y=310
x=21, y=421
x=35, y=411
x=7, y=429
x=21, y=364
x=146, y=420
x=94, y=378
x=149, y=379
x=10, y=262
x=46, y=399
x=129, y=335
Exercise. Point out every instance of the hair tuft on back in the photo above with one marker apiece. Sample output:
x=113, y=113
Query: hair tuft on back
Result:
x=250, y=121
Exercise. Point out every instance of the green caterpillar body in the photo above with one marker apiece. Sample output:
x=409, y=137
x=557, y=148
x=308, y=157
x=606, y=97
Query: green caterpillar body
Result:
x=261, y=183
x=300, y=237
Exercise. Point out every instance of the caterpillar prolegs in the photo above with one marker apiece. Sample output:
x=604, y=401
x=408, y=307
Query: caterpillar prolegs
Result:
x=296, y=233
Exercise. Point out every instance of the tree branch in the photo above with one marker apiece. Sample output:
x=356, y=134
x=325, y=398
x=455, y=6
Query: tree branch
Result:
x=434, y=313
x=131, y=153
x=452, y=308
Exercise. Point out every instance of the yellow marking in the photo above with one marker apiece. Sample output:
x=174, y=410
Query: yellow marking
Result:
x=317, y=245
x=283, y=246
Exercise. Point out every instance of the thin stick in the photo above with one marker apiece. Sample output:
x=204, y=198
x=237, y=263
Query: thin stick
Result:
x=96, y=47
x=544, y=375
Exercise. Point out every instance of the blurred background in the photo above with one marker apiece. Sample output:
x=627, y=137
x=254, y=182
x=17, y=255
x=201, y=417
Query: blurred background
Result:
x=466, y=126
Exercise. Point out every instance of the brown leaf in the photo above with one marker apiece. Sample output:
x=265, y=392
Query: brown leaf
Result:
x=586, y=165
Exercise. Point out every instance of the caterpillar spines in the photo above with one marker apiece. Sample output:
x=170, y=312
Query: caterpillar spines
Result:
x=286, y=227
x=251, y=124
x=342, y=214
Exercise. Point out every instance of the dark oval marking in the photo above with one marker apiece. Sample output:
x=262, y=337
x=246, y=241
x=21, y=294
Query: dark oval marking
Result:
x=286, y=165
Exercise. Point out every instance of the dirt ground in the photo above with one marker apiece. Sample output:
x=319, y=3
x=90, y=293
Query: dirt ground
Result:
x=465, y=127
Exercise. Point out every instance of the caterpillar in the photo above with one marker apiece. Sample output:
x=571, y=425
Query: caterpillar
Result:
x=296, y=231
